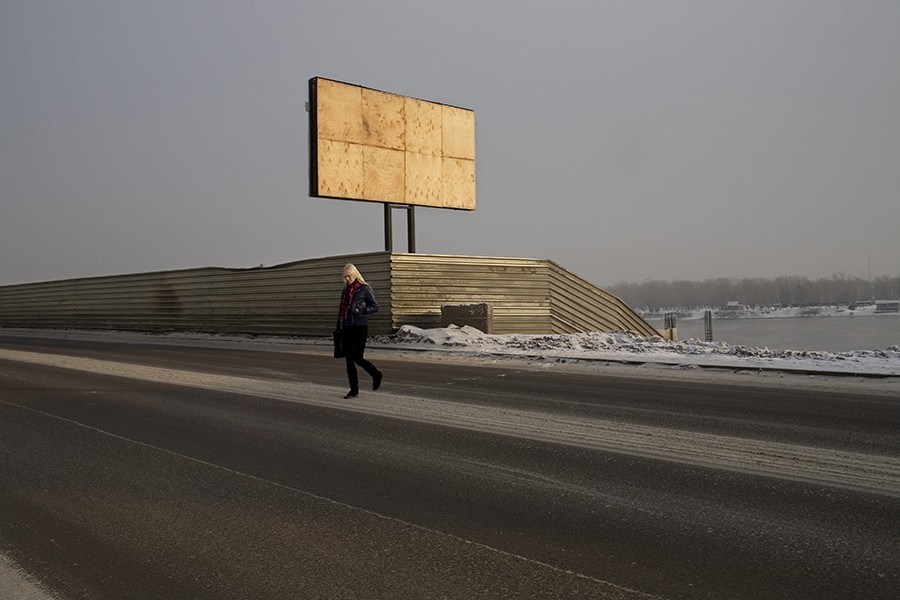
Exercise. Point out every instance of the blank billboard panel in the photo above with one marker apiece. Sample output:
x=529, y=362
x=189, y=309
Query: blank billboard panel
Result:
x=371, y=145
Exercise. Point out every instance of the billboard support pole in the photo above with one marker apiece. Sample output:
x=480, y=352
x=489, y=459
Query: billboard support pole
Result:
x=410, y=227
x=388, y=229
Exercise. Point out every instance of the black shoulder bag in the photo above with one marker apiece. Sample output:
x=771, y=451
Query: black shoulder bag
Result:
x=336, y=335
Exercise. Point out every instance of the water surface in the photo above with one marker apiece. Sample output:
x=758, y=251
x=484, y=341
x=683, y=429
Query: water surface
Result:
x=831, y=334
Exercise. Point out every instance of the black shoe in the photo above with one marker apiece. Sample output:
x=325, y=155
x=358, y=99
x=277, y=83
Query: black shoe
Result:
x=376, y=380
x=351, y=394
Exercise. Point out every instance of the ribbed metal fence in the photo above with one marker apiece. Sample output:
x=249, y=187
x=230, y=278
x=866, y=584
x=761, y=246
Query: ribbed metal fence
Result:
x=581, y=306
x=298, y=298
x=301, y=298
x=516, y=288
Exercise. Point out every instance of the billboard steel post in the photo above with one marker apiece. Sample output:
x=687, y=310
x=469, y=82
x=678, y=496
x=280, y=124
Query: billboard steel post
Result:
x=388, y=229
x=410, y=227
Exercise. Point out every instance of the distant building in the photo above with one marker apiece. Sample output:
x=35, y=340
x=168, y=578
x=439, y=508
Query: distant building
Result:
x=887, y=306
x=734, y=305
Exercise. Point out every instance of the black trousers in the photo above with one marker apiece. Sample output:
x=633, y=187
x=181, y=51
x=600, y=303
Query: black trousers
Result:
x=353, y=341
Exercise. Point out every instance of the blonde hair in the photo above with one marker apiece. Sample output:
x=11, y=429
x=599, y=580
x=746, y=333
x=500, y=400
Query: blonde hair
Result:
x=350, y=269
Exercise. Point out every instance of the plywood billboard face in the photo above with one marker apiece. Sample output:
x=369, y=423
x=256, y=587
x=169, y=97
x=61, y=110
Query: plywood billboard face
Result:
x=381, y=147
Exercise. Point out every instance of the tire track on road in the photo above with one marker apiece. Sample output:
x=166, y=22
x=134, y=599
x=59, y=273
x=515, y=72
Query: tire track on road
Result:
x=853, y=470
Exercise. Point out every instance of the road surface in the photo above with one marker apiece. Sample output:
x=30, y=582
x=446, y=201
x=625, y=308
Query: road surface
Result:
x=151, y=470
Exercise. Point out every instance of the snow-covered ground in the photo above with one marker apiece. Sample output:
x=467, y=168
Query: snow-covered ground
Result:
x=471, y=345
x=626, y=348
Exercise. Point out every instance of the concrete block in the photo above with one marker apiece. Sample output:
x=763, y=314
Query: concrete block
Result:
x=479, y=315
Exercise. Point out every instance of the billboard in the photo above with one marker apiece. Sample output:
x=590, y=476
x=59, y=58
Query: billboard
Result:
x=371, y=145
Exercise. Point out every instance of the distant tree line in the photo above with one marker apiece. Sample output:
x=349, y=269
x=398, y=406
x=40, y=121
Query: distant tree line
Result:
x=786, y=291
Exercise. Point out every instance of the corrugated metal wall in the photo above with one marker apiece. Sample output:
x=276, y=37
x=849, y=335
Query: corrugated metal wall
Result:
x=300, y=298
x=581, y=306
x=528, y=295
x=517, y=288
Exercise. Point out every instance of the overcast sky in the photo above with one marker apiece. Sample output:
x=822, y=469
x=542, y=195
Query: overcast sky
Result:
x=624, y=140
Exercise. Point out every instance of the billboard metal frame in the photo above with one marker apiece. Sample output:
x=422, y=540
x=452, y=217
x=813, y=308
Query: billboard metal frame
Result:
x=362, y=126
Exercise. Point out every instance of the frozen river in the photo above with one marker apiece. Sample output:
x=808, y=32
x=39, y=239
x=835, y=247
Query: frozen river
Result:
x=831, y=334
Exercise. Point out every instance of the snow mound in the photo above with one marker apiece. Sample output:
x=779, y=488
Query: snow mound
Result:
x=622, y=346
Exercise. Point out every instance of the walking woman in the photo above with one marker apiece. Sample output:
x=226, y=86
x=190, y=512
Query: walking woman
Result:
x=357, y=302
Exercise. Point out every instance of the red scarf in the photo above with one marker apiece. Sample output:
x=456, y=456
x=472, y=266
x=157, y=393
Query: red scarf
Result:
x=346, y=298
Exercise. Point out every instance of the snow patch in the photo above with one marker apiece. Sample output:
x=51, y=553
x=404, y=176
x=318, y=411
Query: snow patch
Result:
x=622, y=346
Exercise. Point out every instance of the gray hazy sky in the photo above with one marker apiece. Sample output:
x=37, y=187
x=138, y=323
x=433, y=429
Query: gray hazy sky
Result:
x=625, y=140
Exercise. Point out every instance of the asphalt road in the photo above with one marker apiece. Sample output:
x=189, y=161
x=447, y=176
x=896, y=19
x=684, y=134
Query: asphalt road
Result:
x=143, y=470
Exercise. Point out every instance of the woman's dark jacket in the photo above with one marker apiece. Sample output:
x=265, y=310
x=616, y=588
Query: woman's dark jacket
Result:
x=361, y=305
